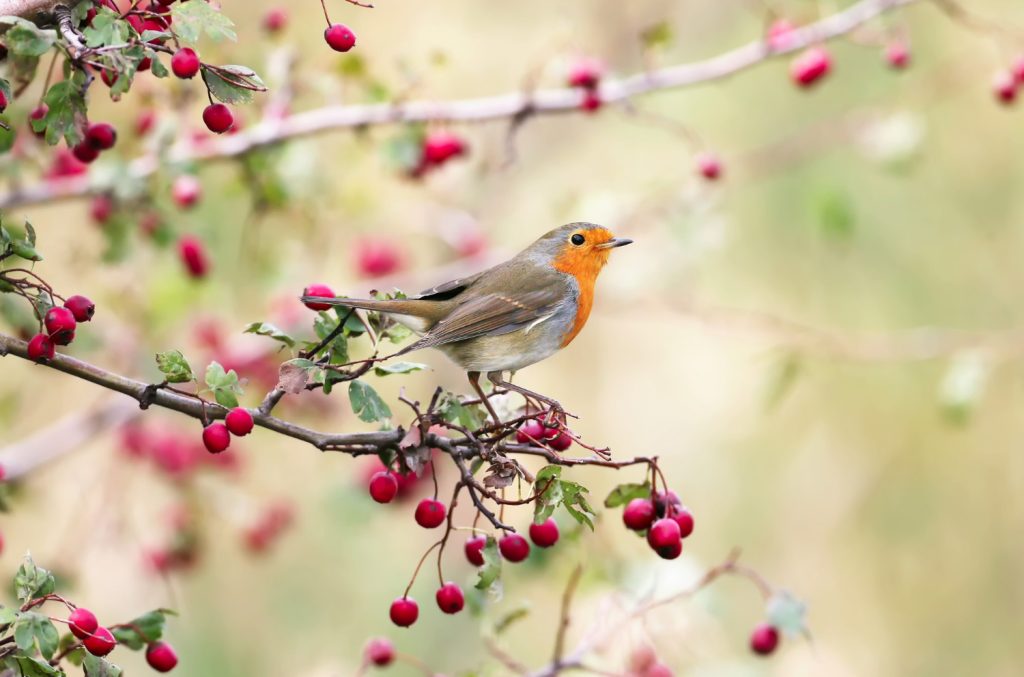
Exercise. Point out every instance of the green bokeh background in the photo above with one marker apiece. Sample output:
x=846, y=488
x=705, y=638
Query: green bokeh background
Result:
x=876, y=204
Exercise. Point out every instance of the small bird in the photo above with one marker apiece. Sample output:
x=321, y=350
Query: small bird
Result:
x=510, y=316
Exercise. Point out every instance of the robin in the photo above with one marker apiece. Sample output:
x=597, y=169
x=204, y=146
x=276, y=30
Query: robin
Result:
x=510, y=316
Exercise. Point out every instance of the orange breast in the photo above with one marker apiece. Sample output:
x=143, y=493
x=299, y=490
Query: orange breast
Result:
x=583, y=264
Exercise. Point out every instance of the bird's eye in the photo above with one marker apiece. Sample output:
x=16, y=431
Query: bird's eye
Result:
x=577, y=239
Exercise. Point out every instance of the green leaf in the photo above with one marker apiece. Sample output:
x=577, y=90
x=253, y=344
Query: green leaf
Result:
x=32, y=581
x=31, y=628
x=232, y=84
x=24, y=38
x=397, y=333
x=270, y=330
x=141, y=631
x=26, y=251
x=787, y=613
x=469, y=417
x=398, y=368
x=658, y=35
x=66, y=117
x=100, y=667
x=192, y=19
x=175, y=368
x=224, y=385
x=26, y=666
x=366, y=403
x=490, y=572
x=506, y=621
x=624, y=493
x=7, y=615
x=157, y=68
x=106, y=29
x=549, y=471
x=30, y=233
x=323, y=325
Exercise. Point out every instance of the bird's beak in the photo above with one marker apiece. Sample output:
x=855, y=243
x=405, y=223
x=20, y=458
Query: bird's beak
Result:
x=615, y=242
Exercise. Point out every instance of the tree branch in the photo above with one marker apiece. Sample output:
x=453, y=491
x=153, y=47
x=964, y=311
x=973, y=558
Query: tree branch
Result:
x=517, y=105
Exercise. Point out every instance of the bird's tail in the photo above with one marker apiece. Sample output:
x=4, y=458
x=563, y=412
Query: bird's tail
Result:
x=383, y=305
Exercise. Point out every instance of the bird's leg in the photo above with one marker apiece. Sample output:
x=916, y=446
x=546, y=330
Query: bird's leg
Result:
x=495, y=377
x=474, y=380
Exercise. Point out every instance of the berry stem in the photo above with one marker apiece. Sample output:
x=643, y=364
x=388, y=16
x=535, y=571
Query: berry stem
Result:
x=326, y=16
x=418, y=567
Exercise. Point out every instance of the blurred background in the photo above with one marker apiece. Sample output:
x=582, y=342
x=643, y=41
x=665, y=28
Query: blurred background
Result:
x=821, y=345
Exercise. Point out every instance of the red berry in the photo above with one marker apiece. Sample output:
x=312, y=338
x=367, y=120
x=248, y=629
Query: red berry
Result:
x=665, y=502
x=404, y=612
x=161, y=656
x=441, y=146
x=109, y=77
x=185, y=63
x=1018, y=70
x=475, y=550
x=145, y=65
x=430, y=513
x=216, y=437
x=544, y=535
x=85, y=152
x=709, y=166
x=218, y=118
x=380, y=651
x=145, y=121
x=60, y=325
x=101, y=209
x=450, y=598
x=40, y=348
x=897, y=55
x=3, y=101
x=684, y=519
x=639, y=514
x=810, y=66
x=193, y=255
x=764, y=639
x=591, y=101
x=659, y=670
x=377, y=257
x=663, y=533
x=101, y=135
x=239, y=421
x=384, y=488
x=514, y=548
x=561, y=441
x=585, y=73
x=38, y=113
x=318, y=290
x=340, y=38
x=275, y=19
x=1005, y=87
x=3, y=476
x=531, y=432
x=671, y=551
x=186, y=190
x=82, y=622
x=82, y=308
x=100, y=642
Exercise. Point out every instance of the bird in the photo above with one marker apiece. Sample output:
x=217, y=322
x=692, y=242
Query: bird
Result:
x=510, y=316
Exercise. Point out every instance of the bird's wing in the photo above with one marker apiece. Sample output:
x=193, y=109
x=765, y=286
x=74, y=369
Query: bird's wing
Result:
x=447, y=290
x=491, y=315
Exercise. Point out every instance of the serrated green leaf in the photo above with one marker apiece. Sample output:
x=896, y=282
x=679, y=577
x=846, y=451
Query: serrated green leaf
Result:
x=26, y=39
x=549, y=471
x=7, y=615
x=175, y=368
x=26, y=251
x=100, y=667
x=106, y=29
x=66, y=117
x=27, y=666
x=323, y=325
x=141, y=631
x=34, y=629
x=271, y=331
x=490, y=572
x=398, y=368
x=31, y=581
x=232, y=84
x=224, y=385
x=624, y=493
x=30, y=233
x=469, y=417
x=366, y=403
x=157, y=68
x=192, y=19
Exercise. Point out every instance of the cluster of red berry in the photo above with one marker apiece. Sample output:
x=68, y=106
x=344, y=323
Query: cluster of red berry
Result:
x=438, y=147
x=217, y=435
x=538, y=433
x=60, y=323
x=1007, y=82
x=664, y=520
x=99, y=641
x=585, y=74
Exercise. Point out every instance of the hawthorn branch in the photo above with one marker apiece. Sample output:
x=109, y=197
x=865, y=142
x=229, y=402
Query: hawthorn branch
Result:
x=516, y=106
